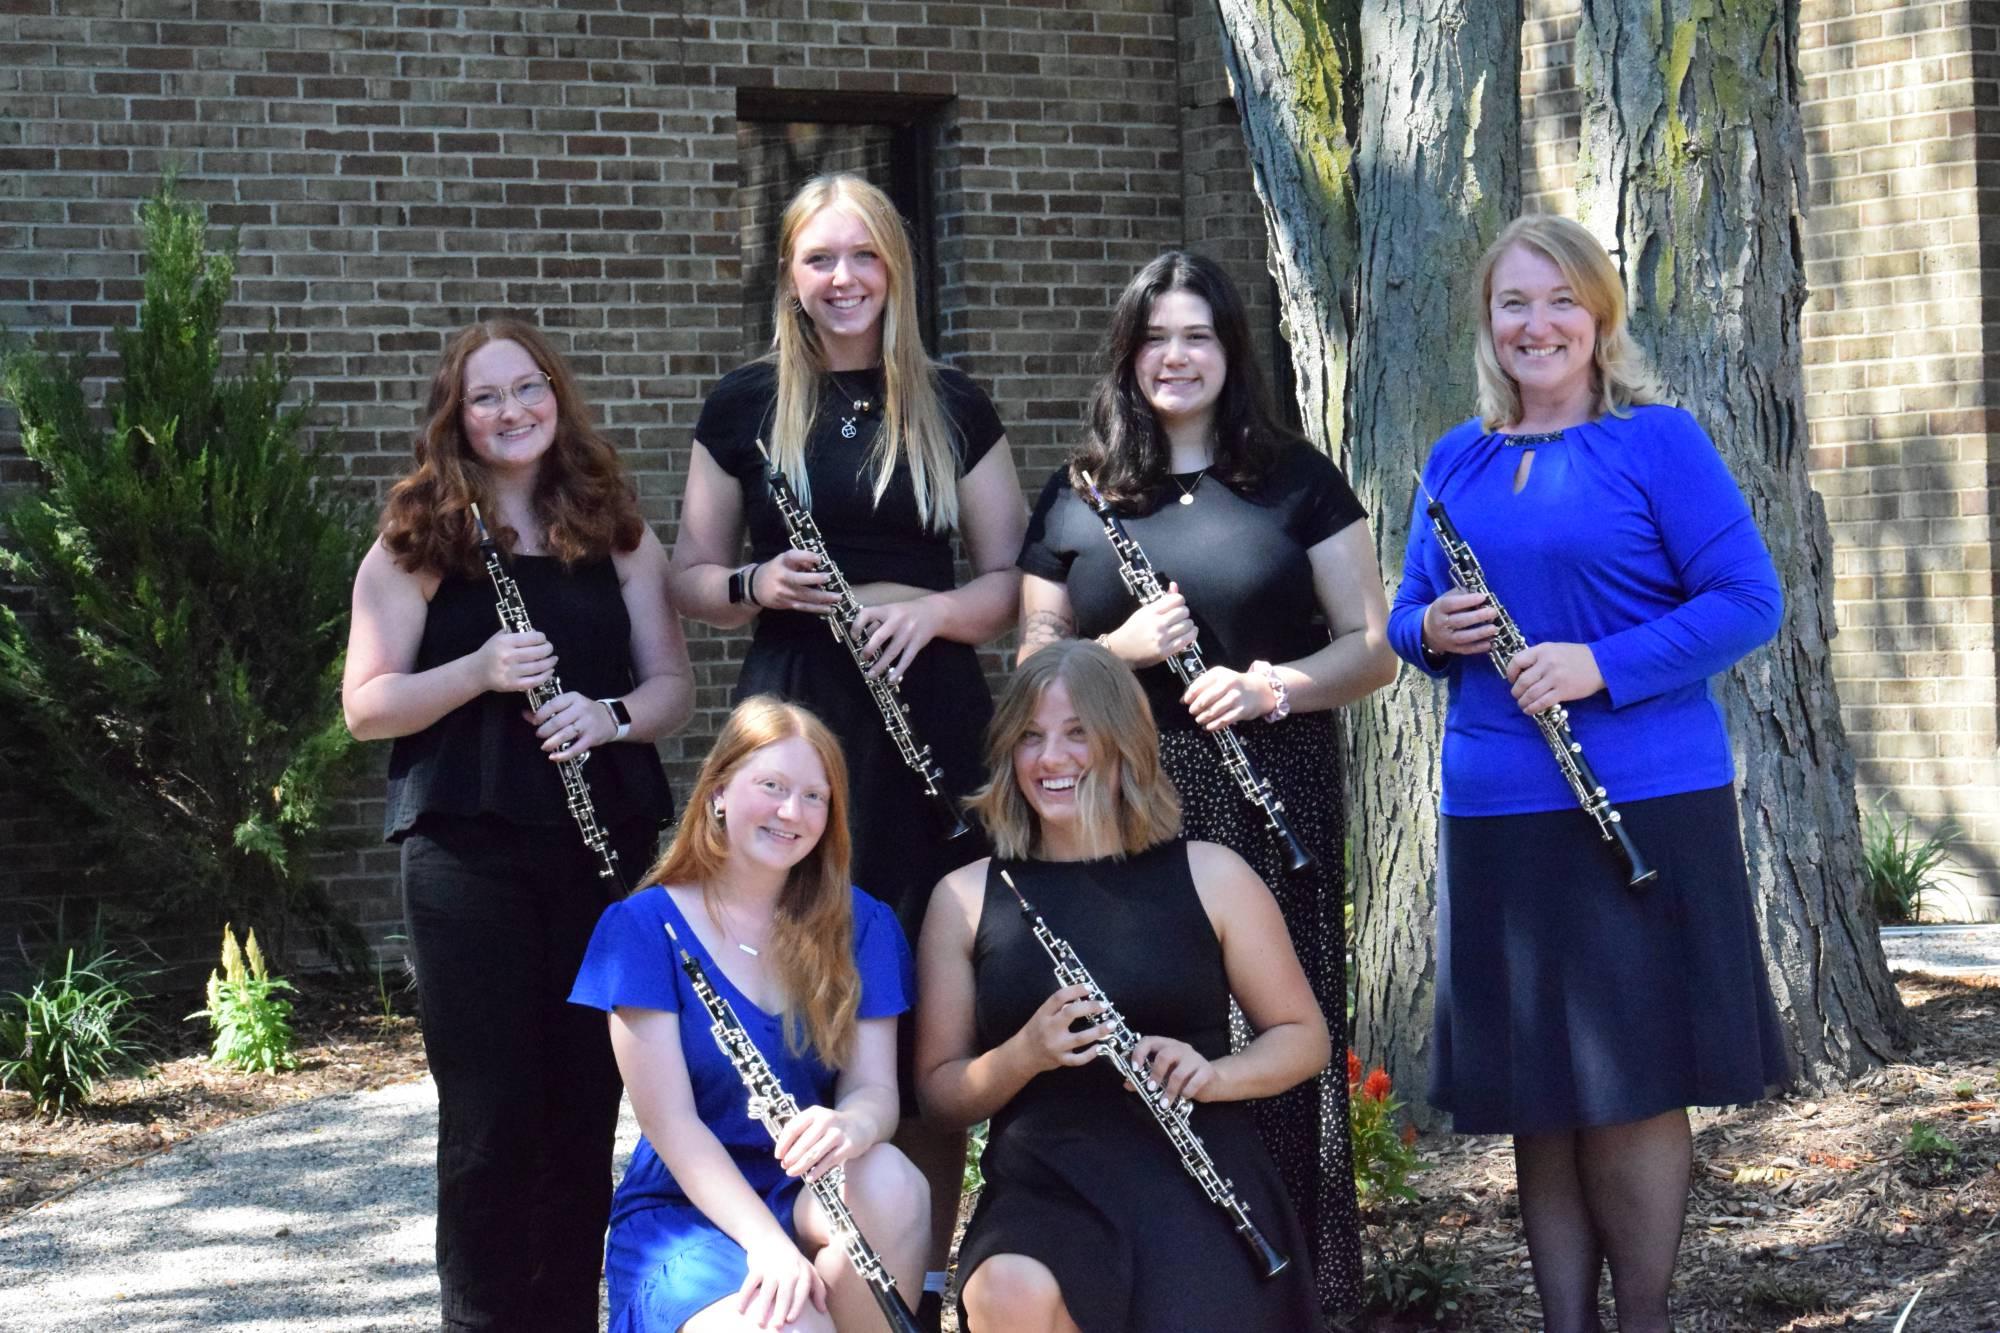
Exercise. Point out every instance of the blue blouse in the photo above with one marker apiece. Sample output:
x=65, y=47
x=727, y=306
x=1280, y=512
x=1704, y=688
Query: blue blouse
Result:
x=631, y=962
x=1630, y=537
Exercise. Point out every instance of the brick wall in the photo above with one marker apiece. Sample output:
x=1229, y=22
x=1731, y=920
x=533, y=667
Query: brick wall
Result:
x=1902, y=118
x=399, y=170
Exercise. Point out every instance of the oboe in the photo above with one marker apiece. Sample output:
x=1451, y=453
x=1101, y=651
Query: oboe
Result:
x=775, y=1108
x=841, y=619
x=1117, y=1048
x=576, y=789
x=1552, y=721
x=1136, y=571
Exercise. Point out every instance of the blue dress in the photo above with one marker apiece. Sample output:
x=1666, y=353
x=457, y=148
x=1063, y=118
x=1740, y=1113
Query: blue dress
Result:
x=666, y=1261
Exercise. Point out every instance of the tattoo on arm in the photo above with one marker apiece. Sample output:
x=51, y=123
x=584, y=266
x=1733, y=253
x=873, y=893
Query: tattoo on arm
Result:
x=1046, y=627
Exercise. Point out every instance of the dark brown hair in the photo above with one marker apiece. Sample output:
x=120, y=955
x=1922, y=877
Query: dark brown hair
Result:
x=581, y=492
x=1125, y=451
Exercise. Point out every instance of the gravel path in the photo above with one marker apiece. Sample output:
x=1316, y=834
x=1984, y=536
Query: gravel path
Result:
x=315, y=1218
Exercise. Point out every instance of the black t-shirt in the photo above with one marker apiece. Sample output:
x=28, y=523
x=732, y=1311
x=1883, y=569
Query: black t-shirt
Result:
x=871, y=542
x=1239, y=558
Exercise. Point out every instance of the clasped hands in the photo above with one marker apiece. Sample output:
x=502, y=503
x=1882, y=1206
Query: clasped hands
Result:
x=569, y=725
x=1164, y=628
x=1053, y=1040
x=892, y=633
x=1543, y=675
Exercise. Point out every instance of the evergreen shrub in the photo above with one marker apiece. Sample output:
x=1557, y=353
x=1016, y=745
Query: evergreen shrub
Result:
x=169, y=674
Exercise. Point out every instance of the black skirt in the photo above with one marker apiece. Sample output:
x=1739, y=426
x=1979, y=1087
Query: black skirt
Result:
x=1567, y=999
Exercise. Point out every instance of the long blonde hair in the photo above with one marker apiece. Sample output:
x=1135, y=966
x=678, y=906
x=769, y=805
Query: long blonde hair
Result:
x=1140, y=810
x=914, y=428
x=812, y=931
x=1624, y=378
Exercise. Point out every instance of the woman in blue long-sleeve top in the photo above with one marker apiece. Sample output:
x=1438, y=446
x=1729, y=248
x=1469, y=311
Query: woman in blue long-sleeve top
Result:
x=1578, y=1014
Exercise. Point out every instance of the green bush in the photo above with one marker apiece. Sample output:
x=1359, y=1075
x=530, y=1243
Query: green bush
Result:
x=1409, y=1278
x=1902, y=869
x=71, y=1029
x=1930, y=1156
x=170, y=678
x=251, y=1021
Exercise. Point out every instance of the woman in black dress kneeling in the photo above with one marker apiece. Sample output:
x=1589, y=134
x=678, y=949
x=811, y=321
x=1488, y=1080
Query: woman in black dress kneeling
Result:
x=1089, y=1220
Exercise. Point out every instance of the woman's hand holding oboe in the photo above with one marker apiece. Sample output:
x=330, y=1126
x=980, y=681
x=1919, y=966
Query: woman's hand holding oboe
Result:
x=1546, y=674
x=1157, y=630
x=1460, y=623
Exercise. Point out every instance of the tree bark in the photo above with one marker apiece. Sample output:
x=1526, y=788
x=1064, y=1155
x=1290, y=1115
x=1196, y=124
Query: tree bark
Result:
x=1692, y=170
x=1433, y=180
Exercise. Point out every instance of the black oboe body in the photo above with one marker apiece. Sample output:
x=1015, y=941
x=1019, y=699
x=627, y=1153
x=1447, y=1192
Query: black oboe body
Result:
x=774, y=1108
x=513, y=614
x=1116, y=1049
x=1553, y=722
x=1136, y=572
x=842, y=619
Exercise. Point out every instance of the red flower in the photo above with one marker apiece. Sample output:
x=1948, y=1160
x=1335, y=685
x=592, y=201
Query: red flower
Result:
x=1376, y=1089
x=1409, y=1136
x=1353, y=1068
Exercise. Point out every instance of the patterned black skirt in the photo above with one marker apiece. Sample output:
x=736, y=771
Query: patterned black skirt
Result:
x=1305, y=1129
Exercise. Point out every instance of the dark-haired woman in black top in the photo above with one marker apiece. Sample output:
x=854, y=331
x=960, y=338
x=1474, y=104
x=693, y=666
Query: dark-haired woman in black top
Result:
x=1256, y=533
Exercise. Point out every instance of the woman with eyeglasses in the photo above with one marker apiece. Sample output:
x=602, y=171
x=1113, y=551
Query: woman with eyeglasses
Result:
x=500, y=892
x=893, y=455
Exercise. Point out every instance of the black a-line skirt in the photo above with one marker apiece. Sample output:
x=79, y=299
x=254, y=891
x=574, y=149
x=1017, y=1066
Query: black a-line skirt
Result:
x=1566, y=999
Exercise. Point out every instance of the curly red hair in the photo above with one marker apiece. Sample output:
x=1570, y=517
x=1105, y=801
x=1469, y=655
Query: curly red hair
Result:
x=581, y=493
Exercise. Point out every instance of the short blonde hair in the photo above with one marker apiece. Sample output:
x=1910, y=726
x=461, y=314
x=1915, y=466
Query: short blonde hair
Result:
x=1624, y=376
x=1141, y=810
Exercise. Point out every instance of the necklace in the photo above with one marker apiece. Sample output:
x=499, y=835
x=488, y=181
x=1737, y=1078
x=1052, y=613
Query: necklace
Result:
x=850, y=425
x=729, y=928
x=1530, y=441
x=1187, y=492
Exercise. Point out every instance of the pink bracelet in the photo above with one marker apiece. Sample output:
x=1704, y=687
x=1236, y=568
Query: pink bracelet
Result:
x=1284, y=704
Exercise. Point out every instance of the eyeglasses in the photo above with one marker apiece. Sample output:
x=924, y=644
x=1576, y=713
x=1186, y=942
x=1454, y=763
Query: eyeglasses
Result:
x=489, y=403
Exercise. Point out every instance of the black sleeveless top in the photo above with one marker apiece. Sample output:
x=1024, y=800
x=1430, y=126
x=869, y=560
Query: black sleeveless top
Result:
x=1078, y=1175
x=482, y=758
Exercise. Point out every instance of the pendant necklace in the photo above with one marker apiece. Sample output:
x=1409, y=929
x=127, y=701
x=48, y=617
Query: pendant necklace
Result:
x=1187, y=492
x=849, y=425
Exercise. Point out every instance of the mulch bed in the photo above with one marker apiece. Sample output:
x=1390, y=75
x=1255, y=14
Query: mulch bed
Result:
x=1808, y=1212
x=345, y=1043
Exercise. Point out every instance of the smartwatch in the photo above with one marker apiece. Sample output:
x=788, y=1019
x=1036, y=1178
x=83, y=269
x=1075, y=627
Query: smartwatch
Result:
x=619, y=714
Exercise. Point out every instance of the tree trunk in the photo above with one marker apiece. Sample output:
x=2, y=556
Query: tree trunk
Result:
x=1693, y=170
x=1434, y=180
x=1292, y=64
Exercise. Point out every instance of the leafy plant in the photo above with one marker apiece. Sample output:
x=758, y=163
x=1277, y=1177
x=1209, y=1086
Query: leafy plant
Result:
x=71, y=1029
x=251, y=1021
x=385, y=993
x=1930, y=1156
x=975, y=1147
x=1964, y=1090
x=1412, y=1279
x=169, y=672
x=1385, y=1154
x=1901, y=868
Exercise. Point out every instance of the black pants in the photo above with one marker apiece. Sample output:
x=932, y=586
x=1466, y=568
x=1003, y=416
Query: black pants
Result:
x=499, y=916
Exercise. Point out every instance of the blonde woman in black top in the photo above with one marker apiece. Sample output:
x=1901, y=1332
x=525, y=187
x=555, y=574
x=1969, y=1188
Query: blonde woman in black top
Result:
x=894, y=455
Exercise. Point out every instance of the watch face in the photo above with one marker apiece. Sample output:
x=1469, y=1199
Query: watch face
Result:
x=736, y=587
x=619, y=711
